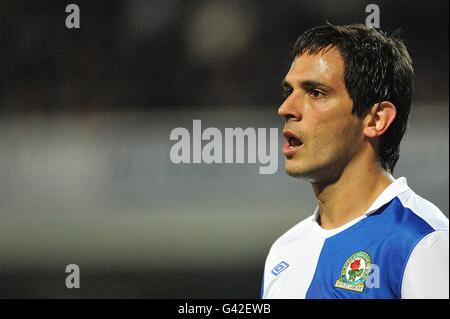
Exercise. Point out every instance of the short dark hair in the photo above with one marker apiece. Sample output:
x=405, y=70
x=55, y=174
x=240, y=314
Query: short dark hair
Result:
x=377, y=68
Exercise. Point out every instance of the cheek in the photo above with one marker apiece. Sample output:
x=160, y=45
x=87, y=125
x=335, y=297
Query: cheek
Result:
x=332, y=126
x=322, y=141
x=325, y=118
x=333, y=137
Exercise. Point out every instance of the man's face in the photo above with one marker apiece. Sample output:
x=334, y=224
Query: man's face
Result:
x=322, y=134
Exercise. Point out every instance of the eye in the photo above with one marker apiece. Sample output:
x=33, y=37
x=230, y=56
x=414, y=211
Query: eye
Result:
x=286, y=91
x=317, y=94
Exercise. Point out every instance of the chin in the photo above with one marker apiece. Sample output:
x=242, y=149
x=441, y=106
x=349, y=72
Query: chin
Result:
x=294, y=169
x=311, y=174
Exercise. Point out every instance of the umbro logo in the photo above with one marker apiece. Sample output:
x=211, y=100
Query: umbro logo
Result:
x=279, y=268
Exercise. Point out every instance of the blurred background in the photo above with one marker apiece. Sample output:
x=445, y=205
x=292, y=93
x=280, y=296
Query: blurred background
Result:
x=85, y=119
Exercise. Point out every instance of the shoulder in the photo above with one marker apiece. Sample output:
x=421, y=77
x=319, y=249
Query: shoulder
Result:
x=425, y=211
x=407, y=220
x=426, y=269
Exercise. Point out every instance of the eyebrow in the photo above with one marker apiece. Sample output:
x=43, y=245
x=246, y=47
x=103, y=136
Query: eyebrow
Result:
x=308, y=84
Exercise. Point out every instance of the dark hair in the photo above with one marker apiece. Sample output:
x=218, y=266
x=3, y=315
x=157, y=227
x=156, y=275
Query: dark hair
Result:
x=377, y=68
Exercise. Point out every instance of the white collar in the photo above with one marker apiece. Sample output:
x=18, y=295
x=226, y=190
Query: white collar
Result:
x=400, y=185
x=394, y=189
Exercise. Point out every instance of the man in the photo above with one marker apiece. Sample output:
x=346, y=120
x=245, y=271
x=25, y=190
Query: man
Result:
x=347, y=101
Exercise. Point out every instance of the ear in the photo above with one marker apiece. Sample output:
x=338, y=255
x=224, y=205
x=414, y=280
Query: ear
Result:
x=379, y=118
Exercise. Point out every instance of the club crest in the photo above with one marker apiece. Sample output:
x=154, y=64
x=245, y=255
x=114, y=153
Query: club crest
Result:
x=355, y=272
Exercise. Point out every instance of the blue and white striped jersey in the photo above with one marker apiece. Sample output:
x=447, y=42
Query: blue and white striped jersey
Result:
x=398, y=249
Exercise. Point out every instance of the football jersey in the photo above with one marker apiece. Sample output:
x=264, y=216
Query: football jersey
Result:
x=399, y=248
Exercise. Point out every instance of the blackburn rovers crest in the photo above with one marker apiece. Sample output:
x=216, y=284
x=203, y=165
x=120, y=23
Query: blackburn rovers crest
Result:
x=355, y=272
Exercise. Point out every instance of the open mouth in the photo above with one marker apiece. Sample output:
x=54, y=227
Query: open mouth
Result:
x=294, y=142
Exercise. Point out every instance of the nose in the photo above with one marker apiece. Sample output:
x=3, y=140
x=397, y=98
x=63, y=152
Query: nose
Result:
x=290, y=108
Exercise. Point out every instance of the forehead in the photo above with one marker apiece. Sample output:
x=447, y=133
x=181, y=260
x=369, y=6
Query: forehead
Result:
x=326, y=67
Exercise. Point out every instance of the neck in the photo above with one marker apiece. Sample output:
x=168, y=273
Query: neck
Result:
x=351, y=195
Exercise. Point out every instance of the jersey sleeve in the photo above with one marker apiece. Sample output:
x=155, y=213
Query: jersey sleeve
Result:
x=426, y=274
